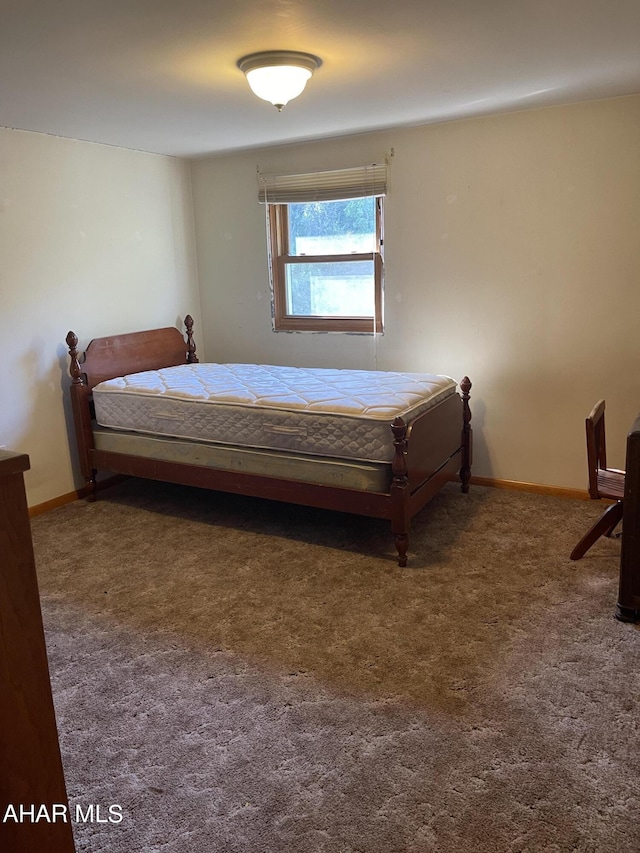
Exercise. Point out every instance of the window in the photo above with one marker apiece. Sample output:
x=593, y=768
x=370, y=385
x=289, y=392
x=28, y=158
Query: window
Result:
x=325, y=241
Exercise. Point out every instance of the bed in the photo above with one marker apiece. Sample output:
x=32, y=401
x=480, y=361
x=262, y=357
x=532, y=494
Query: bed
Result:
x=373, y=443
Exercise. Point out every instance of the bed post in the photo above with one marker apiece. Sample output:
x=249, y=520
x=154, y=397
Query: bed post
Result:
x=192, y=358
x=81, y=416
x=400, y=491
x=467, y=436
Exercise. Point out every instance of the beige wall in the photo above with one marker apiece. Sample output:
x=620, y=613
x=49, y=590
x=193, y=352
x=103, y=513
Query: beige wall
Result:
x=512, y=255
x=94, y=239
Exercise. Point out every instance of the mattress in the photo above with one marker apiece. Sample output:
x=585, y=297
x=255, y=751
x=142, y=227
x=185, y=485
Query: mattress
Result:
x=343, y=414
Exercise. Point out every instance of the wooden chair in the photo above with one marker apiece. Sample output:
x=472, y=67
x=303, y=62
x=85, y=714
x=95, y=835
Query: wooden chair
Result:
x=604, y=483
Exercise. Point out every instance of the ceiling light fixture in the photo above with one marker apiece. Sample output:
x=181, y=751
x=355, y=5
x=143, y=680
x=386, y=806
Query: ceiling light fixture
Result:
x=278, y=76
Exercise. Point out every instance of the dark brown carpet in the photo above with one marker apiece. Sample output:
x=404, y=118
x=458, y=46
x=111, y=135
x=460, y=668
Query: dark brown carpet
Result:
x=239, y=675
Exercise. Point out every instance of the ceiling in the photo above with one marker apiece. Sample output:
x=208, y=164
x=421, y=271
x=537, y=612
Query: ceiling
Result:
x=161, y=75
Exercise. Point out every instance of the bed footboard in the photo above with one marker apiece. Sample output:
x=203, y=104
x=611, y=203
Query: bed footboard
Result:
x=429, y=452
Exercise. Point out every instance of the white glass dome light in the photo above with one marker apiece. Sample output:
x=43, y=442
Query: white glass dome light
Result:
x=278, y=76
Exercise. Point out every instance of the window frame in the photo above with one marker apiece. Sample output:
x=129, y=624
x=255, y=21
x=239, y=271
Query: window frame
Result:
x=280, y=258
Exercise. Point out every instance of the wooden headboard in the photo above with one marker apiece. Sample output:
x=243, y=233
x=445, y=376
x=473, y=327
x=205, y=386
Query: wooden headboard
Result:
x=117, y=355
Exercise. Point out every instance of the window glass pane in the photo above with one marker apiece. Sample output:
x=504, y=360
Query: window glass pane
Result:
x=335, y=289
x=332, y=227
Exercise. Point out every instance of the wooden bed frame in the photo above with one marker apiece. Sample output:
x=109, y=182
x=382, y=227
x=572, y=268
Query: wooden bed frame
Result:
x=429, y=451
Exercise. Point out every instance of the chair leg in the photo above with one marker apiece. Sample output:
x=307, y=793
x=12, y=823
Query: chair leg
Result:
x=615, y=520
x=604, y=526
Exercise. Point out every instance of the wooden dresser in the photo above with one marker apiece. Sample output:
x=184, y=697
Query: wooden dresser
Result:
x=31, y=773
x=628, y=607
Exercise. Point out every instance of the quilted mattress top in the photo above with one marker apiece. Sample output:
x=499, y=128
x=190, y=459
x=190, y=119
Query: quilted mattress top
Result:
x=316, y=410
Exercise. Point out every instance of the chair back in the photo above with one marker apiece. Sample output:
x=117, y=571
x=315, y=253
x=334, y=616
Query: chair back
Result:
x=596, y=446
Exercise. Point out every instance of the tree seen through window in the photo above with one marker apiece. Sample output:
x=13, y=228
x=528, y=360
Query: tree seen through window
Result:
x=338, y=288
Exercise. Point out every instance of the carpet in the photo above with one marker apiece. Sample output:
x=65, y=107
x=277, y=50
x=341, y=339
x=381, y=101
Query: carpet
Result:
x=233, y=674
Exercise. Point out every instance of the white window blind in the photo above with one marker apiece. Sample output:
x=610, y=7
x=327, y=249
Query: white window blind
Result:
x=339, y=184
